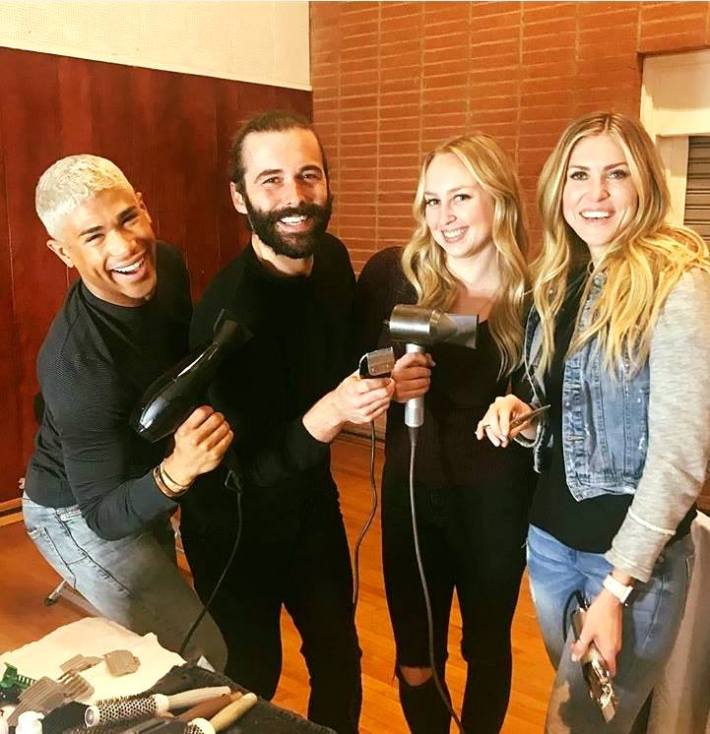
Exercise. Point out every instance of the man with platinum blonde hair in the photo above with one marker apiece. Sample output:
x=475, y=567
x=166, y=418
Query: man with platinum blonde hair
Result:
x=97, y=496
x=70, y=182
x=80, y=189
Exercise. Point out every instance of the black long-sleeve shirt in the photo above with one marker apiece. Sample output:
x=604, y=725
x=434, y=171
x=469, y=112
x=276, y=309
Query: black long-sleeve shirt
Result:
x=94, y=365
x=463, y=384
x=298, y=351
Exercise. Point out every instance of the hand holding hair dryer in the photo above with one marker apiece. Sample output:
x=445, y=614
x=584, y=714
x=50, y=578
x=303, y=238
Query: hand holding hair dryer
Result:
x=170, y=399
x=422, y=327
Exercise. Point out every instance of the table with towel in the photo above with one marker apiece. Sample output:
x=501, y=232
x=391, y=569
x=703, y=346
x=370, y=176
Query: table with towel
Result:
x=160, y=671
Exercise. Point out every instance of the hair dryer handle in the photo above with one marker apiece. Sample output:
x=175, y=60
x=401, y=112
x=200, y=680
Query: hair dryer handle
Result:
x=414, y=407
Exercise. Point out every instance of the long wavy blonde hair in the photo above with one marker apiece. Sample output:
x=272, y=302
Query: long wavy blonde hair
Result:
x=424, y=261
x=641, y=265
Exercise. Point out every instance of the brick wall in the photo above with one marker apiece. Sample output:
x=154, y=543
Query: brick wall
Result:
x=391, y=79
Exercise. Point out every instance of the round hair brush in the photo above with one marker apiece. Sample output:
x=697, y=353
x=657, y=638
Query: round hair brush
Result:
x=131, y=709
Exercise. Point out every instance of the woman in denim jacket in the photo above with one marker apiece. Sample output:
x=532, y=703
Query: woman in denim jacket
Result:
x=617, y=344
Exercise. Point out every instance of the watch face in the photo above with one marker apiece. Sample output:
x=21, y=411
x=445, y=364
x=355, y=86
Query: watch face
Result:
x=625, y=594
x=631, y=596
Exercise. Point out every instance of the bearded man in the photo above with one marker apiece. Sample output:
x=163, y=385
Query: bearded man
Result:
x=287, y=394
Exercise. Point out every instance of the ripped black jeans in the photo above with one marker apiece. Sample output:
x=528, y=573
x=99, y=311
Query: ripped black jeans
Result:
x=472, y=540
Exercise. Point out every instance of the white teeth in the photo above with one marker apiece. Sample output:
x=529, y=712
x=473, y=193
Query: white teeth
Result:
x=130, y=268
x=293, y=220
x=453, y=234
x=596, y=214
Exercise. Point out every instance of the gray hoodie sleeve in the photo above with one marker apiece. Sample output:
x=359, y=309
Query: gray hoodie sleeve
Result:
x=678, y=428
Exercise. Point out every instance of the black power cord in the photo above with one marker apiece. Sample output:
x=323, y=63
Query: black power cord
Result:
x=233, y=484
x=368, y=522
x=413, y=434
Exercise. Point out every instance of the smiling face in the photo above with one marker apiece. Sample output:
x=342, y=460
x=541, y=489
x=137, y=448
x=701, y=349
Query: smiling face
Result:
x=110, y=241
x=599, y=197
x=285, y=190
x=458, y=212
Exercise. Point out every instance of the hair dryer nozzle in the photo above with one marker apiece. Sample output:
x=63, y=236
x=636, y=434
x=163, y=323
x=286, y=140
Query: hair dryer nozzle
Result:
x=228, y=332
x=427, y=326
x=463, y=329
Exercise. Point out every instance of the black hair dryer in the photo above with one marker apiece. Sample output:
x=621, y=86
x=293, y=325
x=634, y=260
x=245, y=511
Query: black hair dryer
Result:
x=170, y=399
x=422, y=327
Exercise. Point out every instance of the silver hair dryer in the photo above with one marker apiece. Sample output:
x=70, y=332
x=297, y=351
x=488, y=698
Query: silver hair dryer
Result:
x=421, y=327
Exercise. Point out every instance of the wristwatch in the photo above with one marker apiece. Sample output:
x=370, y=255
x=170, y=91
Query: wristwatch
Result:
x=625, y=594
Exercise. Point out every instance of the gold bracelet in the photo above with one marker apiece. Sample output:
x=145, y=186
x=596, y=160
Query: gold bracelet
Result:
x=162, y=486
x=169, y=480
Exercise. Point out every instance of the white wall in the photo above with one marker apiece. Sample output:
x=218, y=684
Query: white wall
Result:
x=262, y=42
x=675, y=103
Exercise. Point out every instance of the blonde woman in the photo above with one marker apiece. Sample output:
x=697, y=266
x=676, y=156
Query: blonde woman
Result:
x=617, y=343
x=465, y=256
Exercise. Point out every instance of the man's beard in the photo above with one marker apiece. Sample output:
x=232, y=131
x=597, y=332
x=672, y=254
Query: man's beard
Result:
x=296, y=245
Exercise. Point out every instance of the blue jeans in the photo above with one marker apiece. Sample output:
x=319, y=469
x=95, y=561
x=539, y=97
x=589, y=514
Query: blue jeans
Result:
x=650, y=625
x=134, y=581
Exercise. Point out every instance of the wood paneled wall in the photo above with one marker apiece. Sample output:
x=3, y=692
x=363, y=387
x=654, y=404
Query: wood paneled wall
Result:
x=170, y=134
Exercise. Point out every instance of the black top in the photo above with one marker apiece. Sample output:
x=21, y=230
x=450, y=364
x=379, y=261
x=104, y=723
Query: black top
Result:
x=588, y=525
x=463, y=384
x=298, y=351
x=591, y=524
x=94, y=365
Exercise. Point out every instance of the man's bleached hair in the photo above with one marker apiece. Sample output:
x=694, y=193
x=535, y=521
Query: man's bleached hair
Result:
x=70, y=182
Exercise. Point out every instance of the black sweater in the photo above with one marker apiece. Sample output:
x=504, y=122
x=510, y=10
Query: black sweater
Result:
x=463, y=384
x=94, y=365
x=298, y=351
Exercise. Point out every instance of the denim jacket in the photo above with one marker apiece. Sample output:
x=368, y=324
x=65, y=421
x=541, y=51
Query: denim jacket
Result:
x=645, y=434
x=604, y=416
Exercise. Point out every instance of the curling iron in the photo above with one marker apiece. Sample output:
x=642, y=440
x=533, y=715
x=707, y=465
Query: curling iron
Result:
x=422, y=327
x=170, y=399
